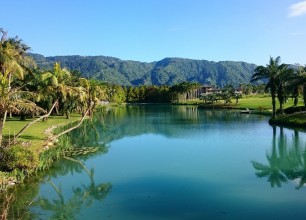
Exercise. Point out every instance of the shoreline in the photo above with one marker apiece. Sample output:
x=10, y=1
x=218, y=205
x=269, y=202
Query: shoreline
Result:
x=296, y=120
x=15, y=177
x=293, y=121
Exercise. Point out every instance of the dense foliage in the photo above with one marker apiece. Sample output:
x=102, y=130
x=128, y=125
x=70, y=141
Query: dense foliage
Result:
x=168, y=71
x=283, y=81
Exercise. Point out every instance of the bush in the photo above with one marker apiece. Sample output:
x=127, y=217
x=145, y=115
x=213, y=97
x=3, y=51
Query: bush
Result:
x=294, y=109
x=19, y=158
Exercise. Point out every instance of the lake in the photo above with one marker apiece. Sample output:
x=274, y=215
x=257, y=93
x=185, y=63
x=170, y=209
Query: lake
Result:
x=174, y=162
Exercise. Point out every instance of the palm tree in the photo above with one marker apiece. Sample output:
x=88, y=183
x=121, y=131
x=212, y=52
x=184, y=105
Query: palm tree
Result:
x=94, y=93
x=55, y=84
x=302, y=80
x=299, y=81
x=271, y=72
x=283, y=78
x=13, y=65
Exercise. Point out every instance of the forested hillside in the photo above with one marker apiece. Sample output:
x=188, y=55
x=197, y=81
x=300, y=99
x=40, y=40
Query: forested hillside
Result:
x=168, y=71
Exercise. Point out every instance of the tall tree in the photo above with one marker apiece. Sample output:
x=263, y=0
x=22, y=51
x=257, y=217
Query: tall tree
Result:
x=272, y=73
x=94, y=93
x=55, y=84
x=284, y=75
x=302, y=82
x=14, y=64
x=298, y=81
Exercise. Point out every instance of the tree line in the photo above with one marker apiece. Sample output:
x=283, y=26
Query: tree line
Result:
x=27, y=90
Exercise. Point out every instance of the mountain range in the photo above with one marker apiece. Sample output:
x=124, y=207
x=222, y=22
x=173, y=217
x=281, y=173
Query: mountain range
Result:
x=168, y=71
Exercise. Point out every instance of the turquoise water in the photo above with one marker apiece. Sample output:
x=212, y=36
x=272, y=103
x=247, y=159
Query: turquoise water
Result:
x=176, y=162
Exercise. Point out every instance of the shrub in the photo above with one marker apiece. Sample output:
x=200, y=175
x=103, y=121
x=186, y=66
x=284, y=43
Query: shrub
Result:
x=294, y=109
x=18, y=157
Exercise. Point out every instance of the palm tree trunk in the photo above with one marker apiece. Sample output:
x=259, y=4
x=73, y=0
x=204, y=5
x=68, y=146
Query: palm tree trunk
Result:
x=304, y=95
x=33, y=122
x=1, y=129
x=273, y=106
x=70, y=129
x=4, y=119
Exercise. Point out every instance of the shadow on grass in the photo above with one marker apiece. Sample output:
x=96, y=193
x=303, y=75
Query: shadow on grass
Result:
x=26, y=137
x=30, y=137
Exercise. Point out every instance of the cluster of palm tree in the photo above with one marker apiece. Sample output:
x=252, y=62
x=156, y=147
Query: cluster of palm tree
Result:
x=282, y=81
x=25, y=89
x=286, y=161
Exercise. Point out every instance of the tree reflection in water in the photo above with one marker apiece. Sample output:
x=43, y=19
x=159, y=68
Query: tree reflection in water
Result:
x=87, y=136
x=25, y=201
x=286, y=161
x=62, y=208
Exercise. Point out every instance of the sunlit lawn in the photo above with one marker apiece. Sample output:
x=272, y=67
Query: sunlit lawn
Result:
x=260, y=102
x=34, y=133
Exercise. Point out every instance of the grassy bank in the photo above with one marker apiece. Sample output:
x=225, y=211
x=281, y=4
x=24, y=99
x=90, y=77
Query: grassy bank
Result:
x=292, y=120
x=35, y=134
x=256, y=102
x=261, y=104
x=29, y=155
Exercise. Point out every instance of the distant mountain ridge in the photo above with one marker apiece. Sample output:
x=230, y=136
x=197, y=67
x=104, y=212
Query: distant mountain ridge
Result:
x=168, y=71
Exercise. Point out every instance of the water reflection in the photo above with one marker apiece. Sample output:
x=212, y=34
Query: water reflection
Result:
x=69, y=208
x=166, y=120
x=171, y=162
x=26, y=201
x=286, y=162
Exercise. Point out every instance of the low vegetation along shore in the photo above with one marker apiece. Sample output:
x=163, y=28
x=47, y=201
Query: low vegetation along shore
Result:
x=36, y=149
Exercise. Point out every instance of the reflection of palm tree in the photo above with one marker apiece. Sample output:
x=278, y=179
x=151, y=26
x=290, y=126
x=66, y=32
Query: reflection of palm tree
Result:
x=60, y=208
x=274, y=174
x=301, y=172
x=67, y=209
x=94, y=192
x=273, y=170
x=284, y=163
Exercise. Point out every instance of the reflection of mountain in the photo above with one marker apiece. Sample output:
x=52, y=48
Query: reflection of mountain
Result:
x=177, y=121
x=286, y=161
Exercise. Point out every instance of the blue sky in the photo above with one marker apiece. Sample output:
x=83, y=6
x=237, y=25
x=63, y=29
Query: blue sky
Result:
x=150, y=30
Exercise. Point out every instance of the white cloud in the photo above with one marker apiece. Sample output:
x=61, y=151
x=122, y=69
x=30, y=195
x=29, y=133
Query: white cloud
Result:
x=298, y=9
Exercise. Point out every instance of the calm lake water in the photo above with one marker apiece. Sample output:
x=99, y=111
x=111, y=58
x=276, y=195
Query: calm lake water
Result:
x=175, y=162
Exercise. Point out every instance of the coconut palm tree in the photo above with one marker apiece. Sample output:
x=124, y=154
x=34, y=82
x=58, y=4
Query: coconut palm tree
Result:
x=94, y=94
x=54, y=84
x=298, y=81
x=14, y=64
x=272, y=73
x=283, y=79
x=302, y=80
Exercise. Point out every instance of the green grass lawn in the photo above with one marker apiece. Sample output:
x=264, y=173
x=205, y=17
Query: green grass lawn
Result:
x=254, y=102
x=258, y=102
x=293, y=120
x=34, y=133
